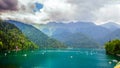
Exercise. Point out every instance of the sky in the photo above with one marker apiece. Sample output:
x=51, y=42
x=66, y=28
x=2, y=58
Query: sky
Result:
x=45, y=11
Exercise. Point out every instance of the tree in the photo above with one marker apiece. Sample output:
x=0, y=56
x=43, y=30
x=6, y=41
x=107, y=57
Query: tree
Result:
x=113, y=47
x=11, y=38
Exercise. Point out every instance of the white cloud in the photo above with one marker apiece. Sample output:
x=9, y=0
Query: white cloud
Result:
x=108, y=13
x=66, y=10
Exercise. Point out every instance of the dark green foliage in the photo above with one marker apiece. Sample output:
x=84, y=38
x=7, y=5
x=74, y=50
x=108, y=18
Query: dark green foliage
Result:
x=11, y=37
x=113, y=47
x=37, y=36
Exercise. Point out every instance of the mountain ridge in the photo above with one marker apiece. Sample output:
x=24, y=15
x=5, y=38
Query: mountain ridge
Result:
x=111, y=25
x=37, y=36
x=89, y=29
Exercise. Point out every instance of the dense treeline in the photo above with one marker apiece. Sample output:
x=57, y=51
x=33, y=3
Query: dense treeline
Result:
x=11, y=38
x=113, y=47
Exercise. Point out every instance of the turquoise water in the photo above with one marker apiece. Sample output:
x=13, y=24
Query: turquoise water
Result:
x=70, y=58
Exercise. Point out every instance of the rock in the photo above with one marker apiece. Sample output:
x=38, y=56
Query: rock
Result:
x=5, y=54
x=110, y=62
x=114, y=61
x=25, y=55
x=71, y=56
x=118, y=55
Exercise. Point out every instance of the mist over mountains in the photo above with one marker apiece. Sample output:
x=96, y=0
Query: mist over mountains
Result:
x=98, y=33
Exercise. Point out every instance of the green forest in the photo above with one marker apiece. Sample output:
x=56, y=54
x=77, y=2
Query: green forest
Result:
x=11, y=38
x=113, y=47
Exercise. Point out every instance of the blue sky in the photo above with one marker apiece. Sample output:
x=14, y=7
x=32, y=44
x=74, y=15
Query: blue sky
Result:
x=38, y=6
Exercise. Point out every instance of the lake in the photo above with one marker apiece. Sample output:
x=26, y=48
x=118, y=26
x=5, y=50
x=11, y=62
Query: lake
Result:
x=69, y=58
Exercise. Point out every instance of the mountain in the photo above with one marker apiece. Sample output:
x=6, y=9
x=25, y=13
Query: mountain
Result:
x=111, y=36
x=111, y=26
x=89, y=29
x=79, y=40
x=37, y=36
x=72, y=27
x=62, y=36
x=76, y=40
x=11, y=38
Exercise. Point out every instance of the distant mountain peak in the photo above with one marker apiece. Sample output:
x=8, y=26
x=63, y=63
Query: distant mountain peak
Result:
x=111, y=25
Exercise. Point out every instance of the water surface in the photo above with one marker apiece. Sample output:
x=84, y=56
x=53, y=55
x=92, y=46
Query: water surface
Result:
x=70, y=58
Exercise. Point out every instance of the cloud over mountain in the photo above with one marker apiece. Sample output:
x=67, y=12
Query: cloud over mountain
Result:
x=98, y=11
